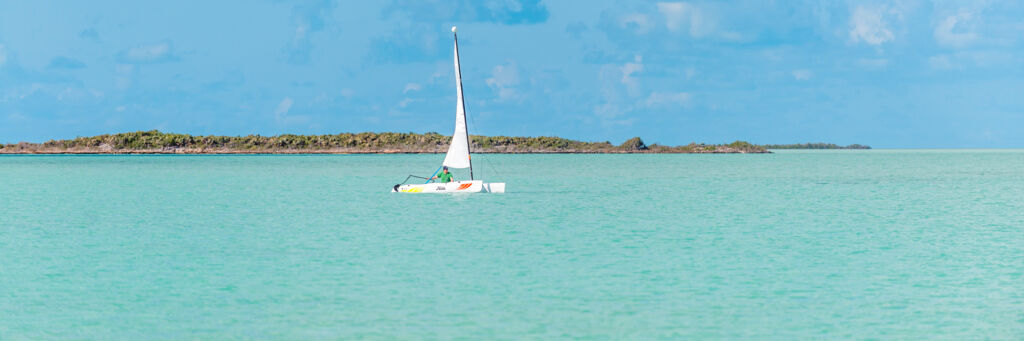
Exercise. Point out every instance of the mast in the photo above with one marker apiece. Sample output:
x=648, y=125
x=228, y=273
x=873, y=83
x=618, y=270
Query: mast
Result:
x=462, y=102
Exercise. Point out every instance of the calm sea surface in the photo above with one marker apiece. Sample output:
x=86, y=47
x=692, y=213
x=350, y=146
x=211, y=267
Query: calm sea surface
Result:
x=901, y=244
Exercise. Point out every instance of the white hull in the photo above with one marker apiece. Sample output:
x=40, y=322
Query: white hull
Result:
x=475, y=186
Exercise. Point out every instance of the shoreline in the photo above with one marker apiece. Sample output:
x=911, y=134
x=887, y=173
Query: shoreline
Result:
x=156, y=142
x=337, y=152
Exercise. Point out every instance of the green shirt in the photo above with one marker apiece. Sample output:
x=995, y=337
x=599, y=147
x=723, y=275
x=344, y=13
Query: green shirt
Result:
x=444, y=177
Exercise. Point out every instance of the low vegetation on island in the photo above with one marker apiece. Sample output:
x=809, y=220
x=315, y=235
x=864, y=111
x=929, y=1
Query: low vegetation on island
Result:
x=819, y=145
x=155, y=142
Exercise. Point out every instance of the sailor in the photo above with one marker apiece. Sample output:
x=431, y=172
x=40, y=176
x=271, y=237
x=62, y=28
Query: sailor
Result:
x=444, y=176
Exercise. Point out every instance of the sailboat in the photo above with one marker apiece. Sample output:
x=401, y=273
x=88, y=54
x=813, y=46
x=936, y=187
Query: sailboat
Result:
x=458, y=152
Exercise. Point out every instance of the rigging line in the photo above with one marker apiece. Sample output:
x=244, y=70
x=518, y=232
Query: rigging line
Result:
x=493, y=169
x=472, y=121
x=472, y=124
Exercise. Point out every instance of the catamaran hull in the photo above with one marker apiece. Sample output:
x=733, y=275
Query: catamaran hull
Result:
x=475, y=186
x=494, y=187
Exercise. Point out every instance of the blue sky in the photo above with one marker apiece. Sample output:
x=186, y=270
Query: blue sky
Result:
x=884, y=73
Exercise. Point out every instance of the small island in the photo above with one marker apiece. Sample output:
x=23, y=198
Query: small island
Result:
x=156, y=142
x=819, y=145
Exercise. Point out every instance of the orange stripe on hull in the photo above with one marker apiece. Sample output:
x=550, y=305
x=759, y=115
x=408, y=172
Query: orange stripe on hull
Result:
x=463, y=186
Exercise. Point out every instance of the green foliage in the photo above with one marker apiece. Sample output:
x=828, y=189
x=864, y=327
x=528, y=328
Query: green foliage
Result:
x=819, y=145
x=741, y=145
x=367, y=142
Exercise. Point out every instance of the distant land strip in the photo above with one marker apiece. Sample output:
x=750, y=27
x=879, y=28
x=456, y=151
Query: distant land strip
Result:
x=819, y=145
x=156, y=142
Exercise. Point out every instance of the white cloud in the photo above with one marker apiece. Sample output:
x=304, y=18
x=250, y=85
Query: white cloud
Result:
x=610, y=113
x=412, y=87
x=405, y=102
x=967, y=58
x=954, y=31
x=990, y=58
x=156, y=53
x=125, y=75
x=685, y=16
x=868, y=25
x=620, y=93
x=300, y=31
x=941, y=62
x=640, y=23
x=16, y=117
x=282, y=113
x=504, y=79
x=308, y=17
x=283, y=107
x=873, y=63
x=20, y=92
x=629, y=69
x=3, y=54
x=802, y=74
x=149, y=52
x=668, y=98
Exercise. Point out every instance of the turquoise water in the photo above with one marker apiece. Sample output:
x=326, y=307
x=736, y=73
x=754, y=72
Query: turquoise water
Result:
x=825, y=244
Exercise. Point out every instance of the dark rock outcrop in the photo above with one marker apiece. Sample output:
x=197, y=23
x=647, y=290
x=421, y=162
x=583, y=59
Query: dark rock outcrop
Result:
x=633, y=145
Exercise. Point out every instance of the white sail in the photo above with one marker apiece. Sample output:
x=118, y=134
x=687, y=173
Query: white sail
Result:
x=458, y=151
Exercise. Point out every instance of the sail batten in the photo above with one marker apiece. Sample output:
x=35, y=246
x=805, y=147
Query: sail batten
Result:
x=458, y=150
